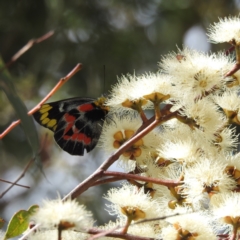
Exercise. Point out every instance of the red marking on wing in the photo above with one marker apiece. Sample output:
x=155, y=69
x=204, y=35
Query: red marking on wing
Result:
x=81, y=137
x=76, y=136
x=70, y=122
x=69, y=118
x=86, y=107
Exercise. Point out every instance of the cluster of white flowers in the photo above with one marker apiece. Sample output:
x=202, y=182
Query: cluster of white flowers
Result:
x=196, y=145
x=61, y=220
x=196, y=102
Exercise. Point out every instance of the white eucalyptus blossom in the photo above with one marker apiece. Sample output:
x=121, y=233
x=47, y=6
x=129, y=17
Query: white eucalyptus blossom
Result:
x=207, y=176
x=120, y=130
x=53, y=234
x=189, y=226
x=124, y=92
x=186, y=150
x=229, y=100
x=185, y=145
x=226, y=204
x=148, y=229
x=226, y=30
x=206, y=116
x=226, y=140
x=226, y=209
x=169, y=198
x=140, y=90
x=65, y=214
x=234, y=161
x=131, y=201
x=194, y=73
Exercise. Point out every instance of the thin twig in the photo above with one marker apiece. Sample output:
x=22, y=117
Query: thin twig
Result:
x=16, y=184
x=26, y=48
x=230, y=50
x=36, y=108
x=24, y=237
x=167, y=183
x=155, y=219
x=21, y=176
x=235, y=68
x=96, y=231
x=111, y=233
x=108, y=180
x=103, y=233
x=118, y=235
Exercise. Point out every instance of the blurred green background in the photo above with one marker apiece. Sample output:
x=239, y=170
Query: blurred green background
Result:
x=120, y=36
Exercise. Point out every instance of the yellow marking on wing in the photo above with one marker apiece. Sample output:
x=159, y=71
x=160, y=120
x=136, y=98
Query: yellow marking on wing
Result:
x=52, y=123
x=45, y=105
x=45, y=121
x=44, y=116
x=45, y=108
x=54, y=128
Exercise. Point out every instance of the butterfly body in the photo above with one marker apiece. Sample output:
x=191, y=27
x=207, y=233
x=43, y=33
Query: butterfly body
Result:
x=76, y=122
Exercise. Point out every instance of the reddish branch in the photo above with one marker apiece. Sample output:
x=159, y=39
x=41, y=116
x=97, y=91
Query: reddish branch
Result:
x=167, y=183
x=118, y=235
x=36, y=108
x=108, y=180
x=235, y=68
x=26, y=48
x=147, y=127
x=59, y=84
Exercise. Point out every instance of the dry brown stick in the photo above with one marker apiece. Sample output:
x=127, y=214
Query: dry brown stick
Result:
x=16, y=184
x=108, y=180
x=235, y=68
x=103, y=233
x=58, y=85
x=125, y=236
x=118, y=235
x=21, y=176
x=167, y=183
x=24, y=171
x=26, y=48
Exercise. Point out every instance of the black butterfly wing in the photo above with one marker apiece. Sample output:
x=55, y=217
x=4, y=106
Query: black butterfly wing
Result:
x=79, y=130
x=76, y=122
x=50, y=113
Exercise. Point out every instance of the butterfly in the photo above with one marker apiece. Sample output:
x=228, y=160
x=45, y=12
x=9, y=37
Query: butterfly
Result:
x=76, y=122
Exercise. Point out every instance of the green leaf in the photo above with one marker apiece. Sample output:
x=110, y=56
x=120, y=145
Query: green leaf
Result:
x=26, y=121
x=33, y=209
x=19, y=222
